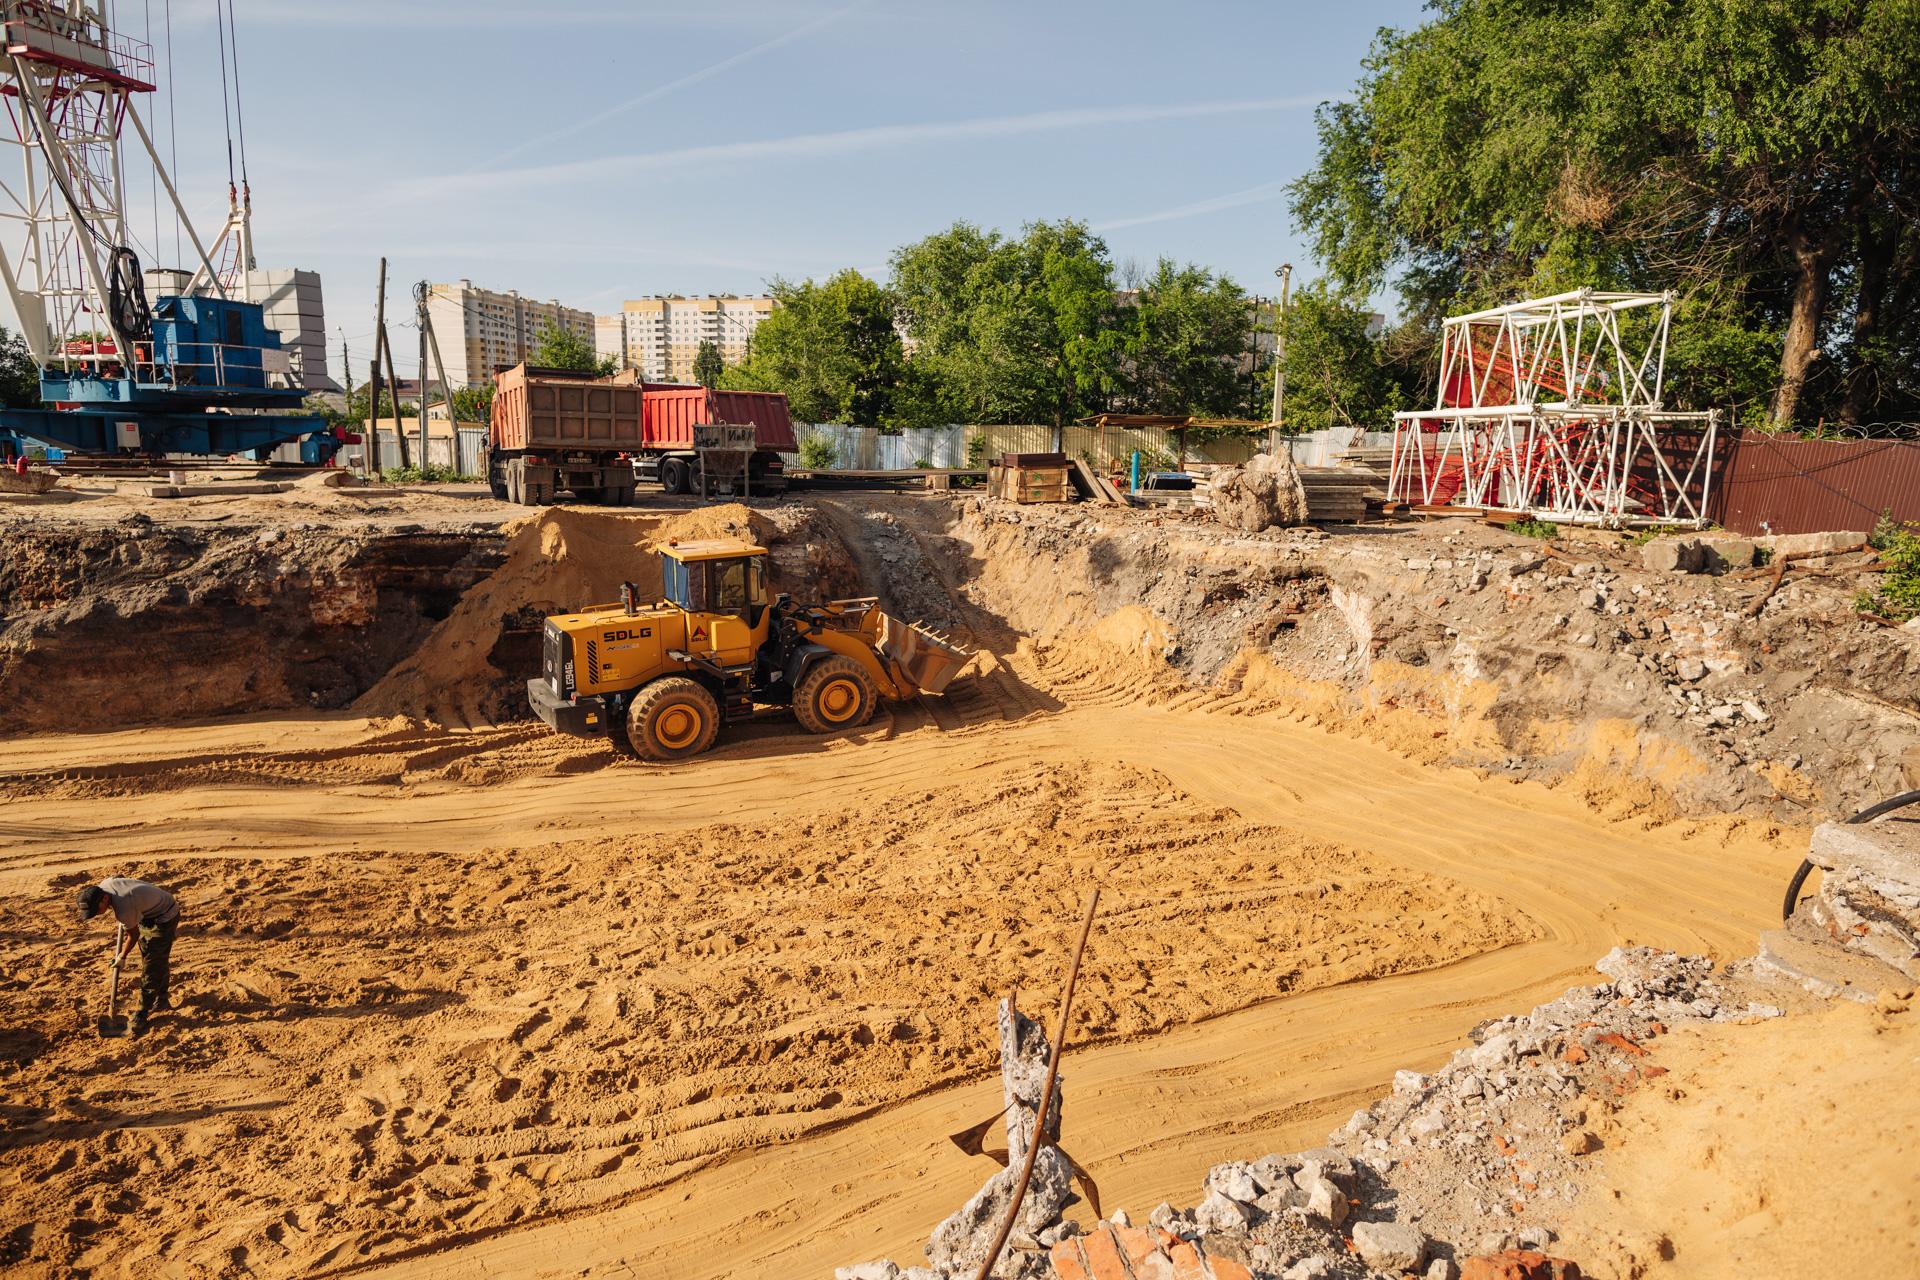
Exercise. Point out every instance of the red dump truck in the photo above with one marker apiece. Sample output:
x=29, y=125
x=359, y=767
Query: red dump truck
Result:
x=672, y=410
x=561, y=429
x=555, y=429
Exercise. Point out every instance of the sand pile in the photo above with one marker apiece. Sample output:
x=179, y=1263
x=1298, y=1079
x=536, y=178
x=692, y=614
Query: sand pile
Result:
x=468, y=671
x=376, y=1050
x=1717, y=1164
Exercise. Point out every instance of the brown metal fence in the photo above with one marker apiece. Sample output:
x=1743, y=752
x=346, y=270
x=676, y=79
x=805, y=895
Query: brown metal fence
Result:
x=1769, y=485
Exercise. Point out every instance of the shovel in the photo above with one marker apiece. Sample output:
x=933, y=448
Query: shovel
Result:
x=109, y=1025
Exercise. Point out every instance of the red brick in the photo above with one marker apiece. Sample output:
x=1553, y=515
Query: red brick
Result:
x=1518, y=1264
x=1135, y=1243
x=1620, y=1042
x=1186, y=1262
x=1104, y=1260
x=1227, y=1269
x=1651, y=1072
x=1155, y=1266
x=1574, y=1053
x=1069, y=1261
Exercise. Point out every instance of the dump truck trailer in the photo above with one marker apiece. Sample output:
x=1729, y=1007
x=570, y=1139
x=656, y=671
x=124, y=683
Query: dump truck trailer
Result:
x=556, y=430
x=562, y=429
x=661, y=678
x=673, y=410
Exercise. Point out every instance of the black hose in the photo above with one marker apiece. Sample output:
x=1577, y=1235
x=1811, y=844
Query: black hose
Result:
x=127, y=298
x=1900, y=801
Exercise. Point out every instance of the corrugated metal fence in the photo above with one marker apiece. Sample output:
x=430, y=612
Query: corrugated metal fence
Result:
x=866, y=449
x=1769, y=485
x=462, y=452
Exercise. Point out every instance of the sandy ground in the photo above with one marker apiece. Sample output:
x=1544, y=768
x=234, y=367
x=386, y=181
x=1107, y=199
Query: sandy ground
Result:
x=1783, y=1148
x=714, y=1019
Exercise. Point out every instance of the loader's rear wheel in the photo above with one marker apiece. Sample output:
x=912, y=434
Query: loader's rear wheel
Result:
x=672, y=719
x=837, y=694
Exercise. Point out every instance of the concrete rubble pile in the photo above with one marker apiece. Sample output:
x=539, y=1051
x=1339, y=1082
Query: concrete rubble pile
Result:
x=1861, y=931
x=1434, y=1179
x=1264, y=494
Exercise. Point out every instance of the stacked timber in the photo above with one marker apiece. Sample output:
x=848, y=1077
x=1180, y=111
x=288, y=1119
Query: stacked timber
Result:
x=1375, y=458
x=1337, y=493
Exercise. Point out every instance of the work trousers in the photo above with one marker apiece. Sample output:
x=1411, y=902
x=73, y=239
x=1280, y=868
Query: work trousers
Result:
x=156, y=949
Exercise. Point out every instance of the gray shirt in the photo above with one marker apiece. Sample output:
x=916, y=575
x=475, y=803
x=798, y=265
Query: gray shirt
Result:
x=135, y=902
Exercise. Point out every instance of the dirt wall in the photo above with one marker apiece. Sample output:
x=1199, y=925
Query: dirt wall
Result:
x=1466, y=644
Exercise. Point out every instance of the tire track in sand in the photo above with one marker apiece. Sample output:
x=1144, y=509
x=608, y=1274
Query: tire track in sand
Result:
x=1276, y=1076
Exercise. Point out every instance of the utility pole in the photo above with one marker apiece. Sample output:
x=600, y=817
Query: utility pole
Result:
x=1279, y=356
x=420, y=315
x=372, y=450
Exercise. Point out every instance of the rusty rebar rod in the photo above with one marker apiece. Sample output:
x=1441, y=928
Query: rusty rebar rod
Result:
x=1046, y=1094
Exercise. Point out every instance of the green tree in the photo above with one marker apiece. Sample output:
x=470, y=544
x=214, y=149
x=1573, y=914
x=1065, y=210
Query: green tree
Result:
x=473, y=404
x=707, y=364
x=1338, y=373
x=565, y=349
x=830, y=347
x=1012, y=330
x=1758, y=155
x=19, y=375
x=1186, y=341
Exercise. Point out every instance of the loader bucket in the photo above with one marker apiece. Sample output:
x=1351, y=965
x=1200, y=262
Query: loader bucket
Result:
x=928, y=660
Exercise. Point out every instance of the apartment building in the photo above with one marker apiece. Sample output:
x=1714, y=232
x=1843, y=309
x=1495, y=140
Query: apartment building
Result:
x=660, y=335
x=478, y=328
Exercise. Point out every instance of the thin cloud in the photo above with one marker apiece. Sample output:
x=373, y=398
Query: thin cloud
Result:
x=1252, y=195
x=654, y=95
x=818, y=146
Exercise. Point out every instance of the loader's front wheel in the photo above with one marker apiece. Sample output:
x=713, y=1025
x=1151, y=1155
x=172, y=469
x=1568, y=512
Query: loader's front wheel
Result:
x=837, y=694
x=672, y=719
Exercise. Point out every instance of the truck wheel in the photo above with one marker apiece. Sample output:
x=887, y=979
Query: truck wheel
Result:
x=539, y=495
x=674, y=476
x=837, y=694
x=513, y=483
x=498, y=489
x=673, y=718
x=620, y=496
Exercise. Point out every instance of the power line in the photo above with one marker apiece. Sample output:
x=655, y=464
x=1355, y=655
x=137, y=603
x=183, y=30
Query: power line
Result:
x=239, y=107
x=173, y=130
x=226, y=111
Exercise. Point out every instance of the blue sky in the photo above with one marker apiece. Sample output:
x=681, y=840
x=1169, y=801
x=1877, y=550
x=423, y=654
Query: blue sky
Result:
x=592, y=152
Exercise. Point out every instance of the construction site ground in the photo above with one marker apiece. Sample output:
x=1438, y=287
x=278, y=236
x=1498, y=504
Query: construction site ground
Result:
x=459, y=996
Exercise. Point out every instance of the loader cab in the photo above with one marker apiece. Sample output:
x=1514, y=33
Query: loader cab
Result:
x=721, y=584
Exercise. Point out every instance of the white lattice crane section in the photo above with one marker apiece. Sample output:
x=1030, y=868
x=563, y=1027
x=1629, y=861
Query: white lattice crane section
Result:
x=1553, y=407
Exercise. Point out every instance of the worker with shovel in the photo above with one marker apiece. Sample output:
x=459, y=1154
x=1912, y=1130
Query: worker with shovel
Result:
x=148, y=912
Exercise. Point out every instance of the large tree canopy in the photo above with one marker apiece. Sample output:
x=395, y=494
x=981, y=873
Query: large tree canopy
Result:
x=831, y=347
x=1755, y=155
x=1012, y=330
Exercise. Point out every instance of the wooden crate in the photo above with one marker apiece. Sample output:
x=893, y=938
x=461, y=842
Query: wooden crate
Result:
x=1032, y=484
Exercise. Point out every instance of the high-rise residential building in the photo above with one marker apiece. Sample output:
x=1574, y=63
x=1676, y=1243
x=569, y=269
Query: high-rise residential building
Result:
x=660, y=335
x=478, y=328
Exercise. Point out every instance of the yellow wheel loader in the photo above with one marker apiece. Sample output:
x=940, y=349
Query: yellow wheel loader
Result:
x=663, y=678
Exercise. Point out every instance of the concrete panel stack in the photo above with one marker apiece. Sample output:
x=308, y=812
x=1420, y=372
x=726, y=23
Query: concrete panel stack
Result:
x=293, y=306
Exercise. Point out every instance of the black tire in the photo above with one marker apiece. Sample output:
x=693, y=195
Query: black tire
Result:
x=838, y=693
x=539, y=495
x=513, y=484
x=672, y=718
x=675, y=477
x=499, y=490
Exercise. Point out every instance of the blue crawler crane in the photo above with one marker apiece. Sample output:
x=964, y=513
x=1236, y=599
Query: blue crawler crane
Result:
x=195, y=371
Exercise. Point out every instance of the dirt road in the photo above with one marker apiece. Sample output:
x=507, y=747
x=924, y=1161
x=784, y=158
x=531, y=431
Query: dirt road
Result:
x=483, y=1040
